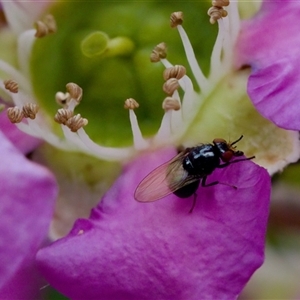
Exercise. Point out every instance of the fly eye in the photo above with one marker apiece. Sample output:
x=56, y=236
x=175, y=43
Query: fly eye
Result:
x=227, y=156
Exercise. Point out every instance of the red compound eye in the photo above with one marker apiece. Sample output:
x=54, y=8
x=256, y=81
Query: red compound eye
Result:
x=227, y=156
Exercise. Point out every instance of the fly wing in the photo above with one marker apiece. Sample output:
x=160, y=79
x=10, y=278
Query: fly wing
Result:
x=164, y=180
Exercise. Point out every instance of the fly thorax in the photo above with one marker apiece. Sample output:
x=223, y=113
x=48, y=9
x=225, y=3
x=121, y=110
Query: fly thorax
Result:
x=201, y=161
x=188, y=165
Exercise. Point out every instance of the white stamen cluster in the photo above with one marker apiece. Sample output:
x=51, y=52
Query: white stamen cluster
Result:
x=180, y=105
x=69, y=101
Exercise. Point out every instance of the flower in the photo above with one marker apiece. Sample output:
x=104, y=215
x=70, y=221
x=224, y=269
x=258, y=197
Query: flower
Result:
x=27, y=202
x=199, y=116
x=131, y=250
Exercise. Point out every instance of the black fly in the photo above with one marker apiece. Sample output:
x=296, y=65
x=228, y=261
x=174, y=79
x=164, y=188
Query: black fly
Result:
x=183, y=174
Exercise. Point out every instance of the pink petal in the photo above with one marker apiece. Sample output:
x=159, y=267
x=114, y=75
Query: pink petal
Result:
x=158, y=250
x=24, y=142
x=270, y=43
x=28, y=192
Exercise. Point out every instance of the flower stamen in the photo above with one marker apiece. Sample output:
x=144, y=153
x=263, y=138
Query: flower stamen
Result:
x=130, y=103
x=177, y=72
x=170, y=86
x=30, y=110
x=171, y=107
x=75, y=91
x=138, y=140
x=62, y=98
x=159, y=52
x=220, y=3
x=170, y=103
x=11, y=85
x=15, y=114
x=63, y=115
x=45, y=27
x=76, y=122
x=176, y=19
x=221, y=58
x=198, y=74
x=216, y=13
x=51, y=23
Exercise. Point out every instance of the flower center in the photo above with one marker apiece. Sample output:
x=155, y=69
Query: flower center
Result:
x=179, y=110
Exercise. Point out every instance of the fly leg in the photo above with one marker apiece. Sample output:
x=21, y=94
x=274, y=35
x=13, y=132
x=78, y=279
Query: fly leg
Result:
x=194, y=203
x=203, y=183
x=234, y=161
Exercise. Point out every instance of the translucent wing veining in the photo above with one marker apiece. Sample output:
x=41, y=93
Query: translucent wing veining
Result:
x=164, y=180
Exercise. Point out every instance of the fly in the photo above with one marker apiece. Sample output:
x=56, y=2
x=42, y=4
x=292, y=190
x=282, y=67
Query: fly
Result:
x=182, y=174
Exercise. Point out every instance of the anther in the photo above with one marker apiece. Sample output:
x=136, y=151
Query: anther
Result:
x=170, y=103
x=74, y=90
x=41, y=29
x=63, y=115
x=30, y=110
x=174, y=72
x=131, y=104
x=176, y=19
x=45, y=27
x=62, y=98
x=76, y=122
x=170, y=86
x=11, y=85
x=159, y=52
x=220, y=3
x=15, y=114
x=50, y=23
x=216, y=13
